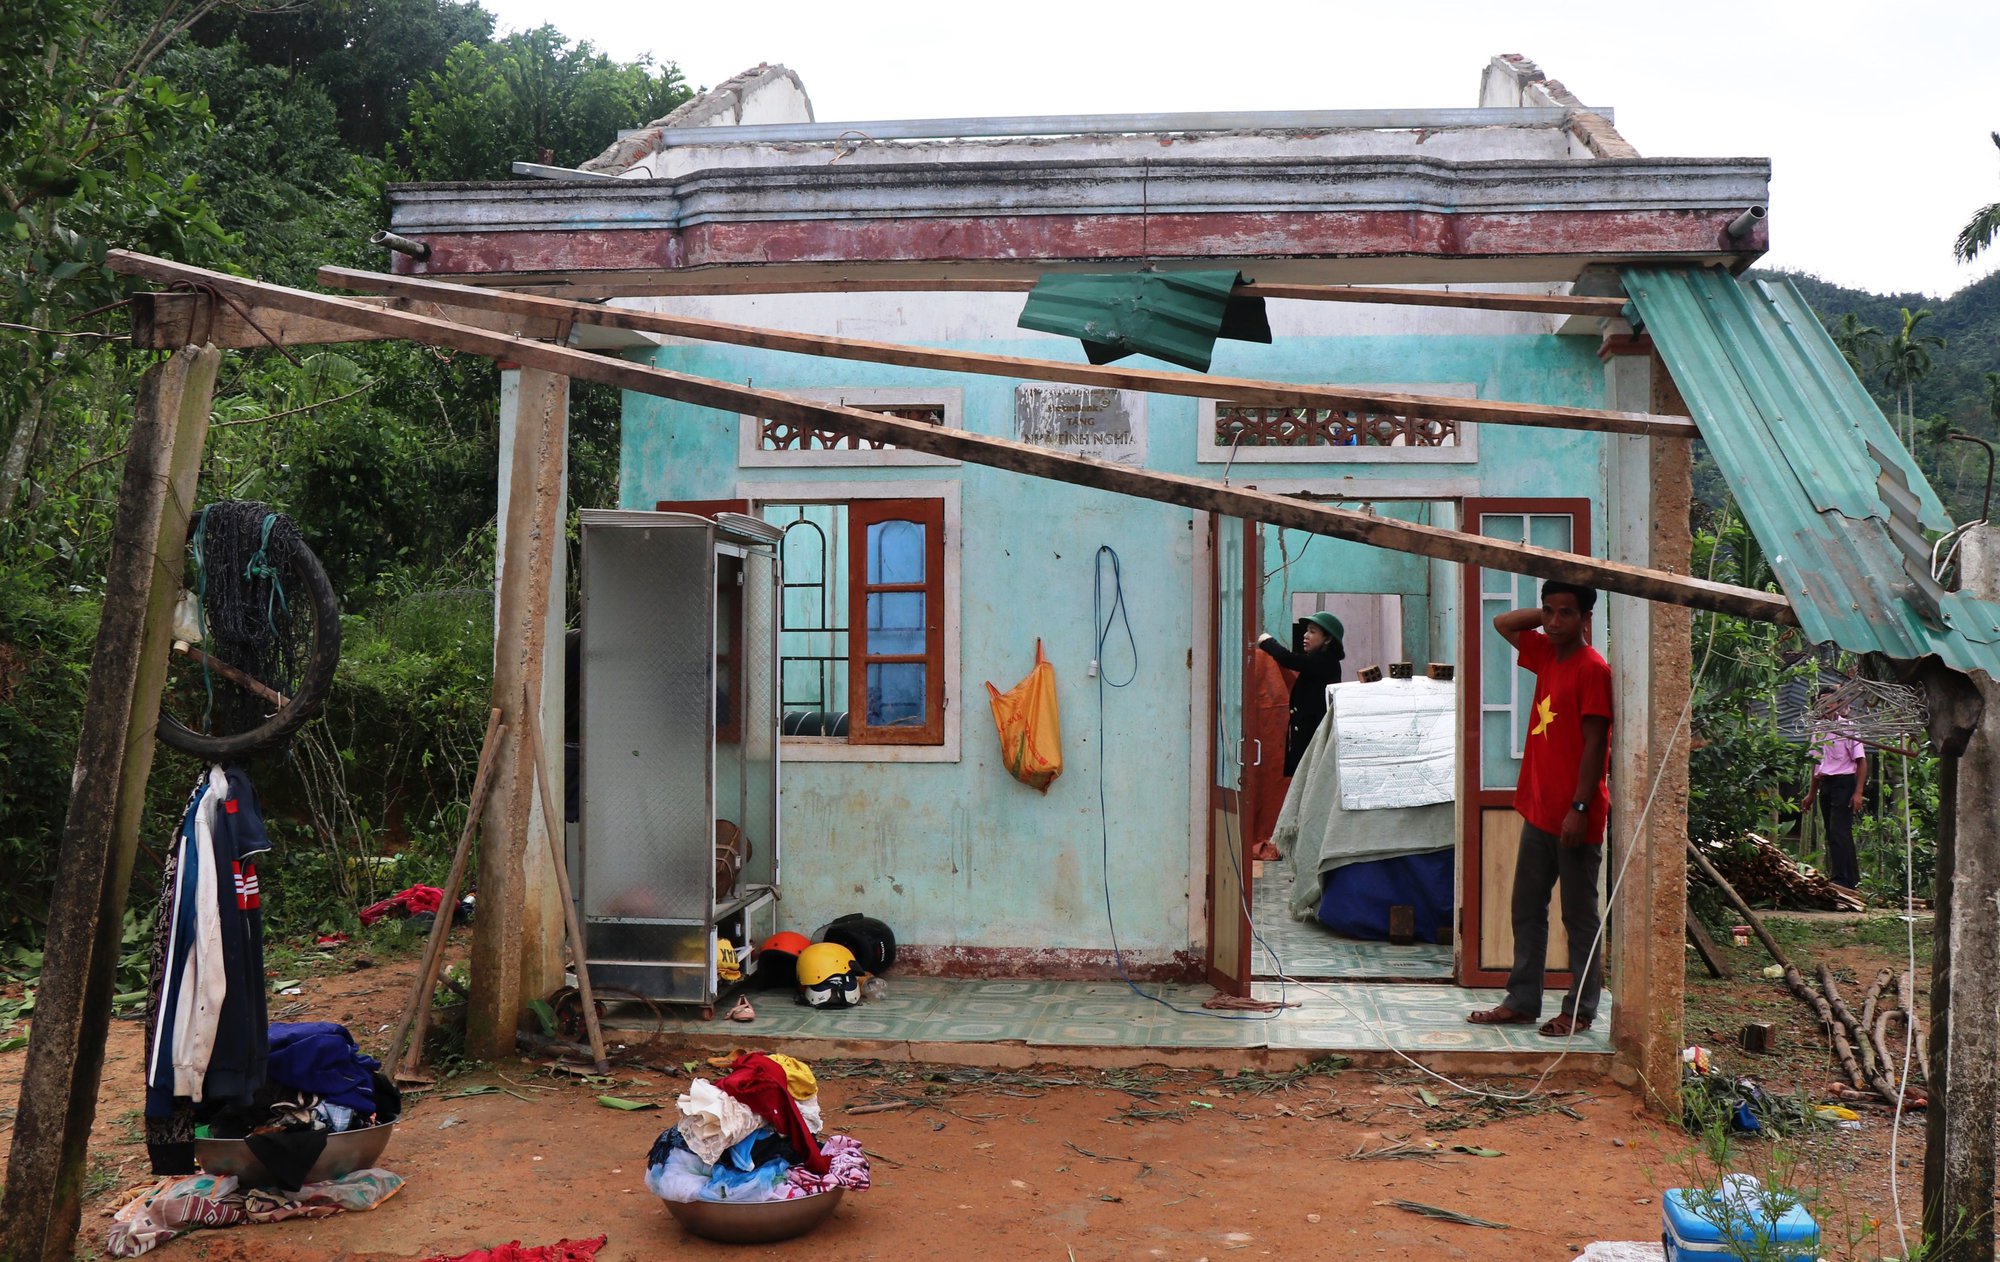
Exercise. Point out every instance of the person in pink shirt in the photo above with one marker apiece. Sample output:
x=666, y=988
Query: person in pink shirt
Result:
x=1840, y=774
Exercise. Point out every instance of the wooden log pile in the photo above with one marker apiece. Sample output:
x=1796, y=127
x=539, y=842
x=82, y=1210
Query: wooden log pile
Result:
x=1858, y=1043
x=1768, y=877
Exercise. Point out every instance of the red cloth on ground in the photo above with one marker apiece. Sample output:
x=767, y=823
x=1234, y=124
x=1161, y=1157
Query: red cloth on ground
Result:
x=1266, y=716
x=417, y=898
x=758, y=1082
x=560, y=1251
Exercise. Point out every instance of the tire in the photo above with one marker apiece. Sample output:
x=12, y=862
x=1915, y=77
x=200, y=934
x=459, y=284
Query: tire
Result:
x=307, y=697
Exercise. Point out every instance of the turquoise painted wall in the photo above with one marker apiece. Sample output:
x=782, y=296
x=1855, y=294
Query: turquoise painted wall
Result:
x=961, y=854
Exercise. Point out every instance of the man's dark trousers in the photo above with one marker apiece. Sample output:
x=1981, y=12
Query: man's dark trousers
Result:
x=1836, y=812
x=1544, y=863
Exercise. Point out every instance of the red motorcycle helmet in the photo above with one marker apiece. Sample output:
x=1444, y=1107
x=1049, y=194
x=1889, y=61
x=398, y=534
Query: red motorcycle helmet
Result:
x=777, y=961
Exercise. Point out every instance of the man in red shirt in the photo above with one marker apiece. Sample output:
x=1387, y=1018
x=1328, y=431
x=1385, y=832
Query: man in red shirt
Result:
x=1563, y=802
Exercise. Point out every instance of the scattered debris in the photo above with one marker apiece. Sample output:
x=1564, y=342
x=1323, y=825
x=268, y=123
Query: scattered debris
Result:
x=1764, y=874
x=1448, y=1215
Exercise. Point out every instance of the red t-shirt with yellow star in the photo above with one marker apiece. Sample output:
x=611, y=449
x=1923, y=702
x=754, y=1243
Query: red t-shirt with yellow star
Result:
x=1565, y=691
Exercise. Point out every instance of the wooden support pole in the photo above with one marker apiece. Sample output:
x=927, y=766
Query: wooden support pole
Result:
x=128, y=666
x=1196, y=385
x=517, y=936
x=690, y=284
x=1189, y=492
x=1647, y=490
x=1965, y=986
x=161, y=322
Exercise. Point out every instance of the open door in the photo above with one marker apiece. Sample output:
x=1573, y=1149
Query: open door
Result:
x=1495, y=700
x=1235, y=583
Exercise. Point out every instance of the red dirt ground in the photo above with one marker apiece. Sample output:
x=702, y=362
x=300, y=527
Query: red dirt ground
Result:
x=980, y=1168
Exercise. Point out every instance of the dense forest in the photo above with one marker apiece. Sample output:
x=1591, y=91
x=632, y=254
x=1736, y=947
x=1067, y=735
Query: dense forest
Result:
x=258, y=136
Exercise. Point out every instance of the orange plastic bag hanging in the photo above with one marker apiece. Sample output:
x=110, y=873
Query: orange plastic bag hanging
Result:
x=1030, y=725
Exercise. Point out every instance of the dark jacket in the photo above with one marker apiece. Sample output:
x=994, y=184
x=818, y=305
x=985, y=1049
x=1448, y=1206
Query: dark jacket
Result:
x=1316, y=671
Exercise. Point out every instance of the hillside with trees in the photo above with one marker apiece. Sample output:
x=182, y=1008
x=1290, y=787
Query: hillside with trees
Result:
x=258, y=137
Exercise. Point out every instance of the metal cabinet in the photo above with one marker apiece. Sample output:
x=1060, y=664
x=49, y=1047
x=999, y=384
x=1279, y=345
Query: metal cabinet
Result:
x=678, y=843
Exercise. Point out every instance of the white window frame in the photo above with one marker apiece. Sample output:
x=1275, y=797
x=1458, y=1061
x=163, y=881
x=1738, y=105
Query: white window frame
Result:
x=1208, y=451
x=797, y=749
x=750, y=453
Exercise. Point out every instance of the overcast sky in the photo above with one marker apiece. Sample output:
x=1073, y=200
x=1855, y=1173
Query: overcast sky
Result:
x=1875, y=116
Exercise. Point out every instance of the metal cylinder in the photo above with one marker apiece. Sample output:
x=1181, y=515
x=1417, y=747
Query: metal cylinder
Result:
x=1740, y=226
x=418, y=250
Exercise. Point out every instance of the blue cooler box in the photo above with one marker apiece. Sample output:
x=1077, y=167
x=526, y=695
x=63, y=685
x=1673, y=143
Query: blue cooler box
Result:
x=1689, y=1235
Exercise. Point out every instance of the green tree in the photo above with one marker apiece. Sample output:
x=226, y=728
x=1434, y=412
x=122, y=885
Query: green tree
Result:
x=1859, y=342
x=1907, y=362
x=1979, y=230
x=533, y=96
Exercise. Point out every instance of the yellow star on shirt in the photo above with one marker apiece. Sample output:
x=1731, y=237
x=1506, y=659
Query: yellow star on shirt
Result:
x=1545, y=714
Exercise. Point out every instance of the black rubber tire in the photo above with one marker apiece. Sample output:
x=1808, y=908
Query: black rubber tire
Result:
x=307, y=698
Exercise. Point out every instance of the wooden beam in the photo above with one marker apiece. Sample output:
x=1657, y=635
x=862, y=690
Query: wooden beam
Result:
x=688, y=285
x=164, y=322
x=1000, y=453
x=100, y=836
x=1200, y=386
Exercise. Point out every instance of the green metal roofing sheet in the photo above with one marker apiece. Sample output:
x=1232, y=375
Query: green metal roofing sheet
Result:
x=1175, y=316
x=1823, y=482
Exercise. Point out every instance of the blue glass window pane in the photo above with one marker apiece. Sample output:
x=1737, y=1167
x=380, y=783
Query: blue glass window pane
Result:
x=895, y=623
x=895, y=552
x=896, y=694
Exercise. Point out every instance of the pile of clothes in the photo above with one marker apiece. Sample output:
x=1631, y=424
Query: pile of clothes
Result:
x=318, y=1084
x=173, y=1206
x=753, y=1135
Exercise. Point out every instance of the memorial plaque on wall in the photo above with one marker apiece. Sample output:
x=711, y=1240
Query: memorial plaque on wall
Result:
x=1083, y=421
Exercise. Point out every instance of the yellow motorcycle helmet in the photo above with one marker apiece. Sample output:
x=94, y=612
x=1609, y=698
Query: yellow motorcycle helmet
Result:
x=827, y=976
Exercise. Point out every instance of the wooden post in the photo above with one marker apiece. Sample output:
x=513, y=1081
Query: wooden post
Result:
x=517, y=935
x=1648, y=501
x=45, y=1168
x=1965, y=992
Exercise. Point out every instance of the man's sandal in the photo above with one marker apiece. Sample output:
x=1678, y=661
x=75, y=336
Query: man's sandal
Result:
x=1502, y=1015
x=1562, y=1026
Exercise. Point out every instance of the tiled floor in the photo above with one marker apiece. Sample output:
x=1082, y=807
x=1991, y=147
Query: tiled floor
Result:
x=1306, y=950
x=1334, y=1016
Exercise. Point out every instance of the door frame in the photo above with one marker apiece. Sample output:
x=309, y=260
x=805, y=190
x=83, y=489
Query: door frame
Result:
x=1229, y=970
x=1474, y=800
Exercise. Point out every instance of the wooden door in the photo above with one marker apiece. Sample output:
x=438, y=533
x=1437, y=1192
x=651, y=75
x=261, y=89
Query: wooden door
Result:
x=1493, y=708
x=1235, y=584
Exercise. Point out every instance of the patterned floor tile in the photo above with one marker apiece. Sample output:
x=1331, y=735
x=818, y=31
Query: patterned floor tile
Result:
x=1307, y=949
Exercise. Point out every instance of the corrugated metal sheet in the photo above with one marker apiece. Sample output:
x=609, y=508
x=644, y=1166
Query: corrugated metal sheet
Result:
x=1175, y=316
x=1823, y=482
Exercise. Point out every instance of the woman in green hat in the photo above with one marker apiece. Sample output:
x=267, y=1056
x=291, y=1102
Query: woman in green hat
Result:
x=1318, y=666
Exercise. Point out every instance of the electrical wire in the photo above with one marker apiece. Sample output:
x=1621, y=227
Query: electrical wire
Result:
x=1101, y=623
x=1909, y=1025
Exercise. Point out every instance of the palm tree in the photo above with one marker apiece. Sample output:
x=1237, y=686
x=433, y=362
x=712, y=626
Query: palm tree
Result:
x=1980, y=230
x=1908, y=361
x=1859, y=343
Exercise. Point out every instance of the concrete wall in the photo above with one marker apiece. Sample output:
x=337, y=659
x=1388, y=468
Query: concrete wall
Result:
x=957, y=854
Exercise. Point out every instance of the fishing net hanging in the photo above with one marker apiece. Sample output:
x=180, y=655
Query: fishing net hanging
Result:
x=251, y=603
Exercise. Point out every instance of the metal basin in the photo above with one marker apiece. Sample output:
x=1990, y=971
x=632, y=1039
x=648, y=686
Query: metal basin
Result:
x=346, y=1152
x=755, y=1222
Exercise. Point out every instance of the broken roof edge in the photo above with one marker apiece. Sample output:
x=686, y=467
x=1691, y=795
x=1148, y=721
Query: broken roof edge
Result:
x=768, y=105
x=764, y=88
x=1510, y=79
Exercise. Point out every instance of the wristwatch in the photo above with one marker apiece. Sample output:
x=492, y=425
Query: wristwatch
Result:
x=1580, y=806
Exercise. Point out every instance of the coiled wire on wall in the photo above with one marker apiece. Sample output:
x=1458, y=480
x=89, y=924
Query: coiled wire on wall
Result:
x=1103, y=618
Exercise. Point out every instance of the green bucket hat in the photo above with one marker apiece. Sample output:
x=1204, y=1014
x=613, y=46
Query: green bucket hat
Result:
x=1329, y=624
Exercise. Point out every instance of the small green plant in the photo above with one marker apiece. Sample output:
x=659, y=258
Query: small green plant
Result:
x=1744, y=1183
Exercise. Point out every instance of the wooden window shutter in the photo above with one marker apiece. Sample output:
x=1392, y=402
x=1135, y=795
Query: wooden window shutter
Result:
x=895, y=621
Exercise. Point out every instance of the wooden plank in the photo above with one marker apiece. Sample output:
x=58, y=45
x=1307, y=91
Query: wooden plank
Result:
x=114, y=756
x=689, y=285
x=1195, y=385
x=1000, y=453
x=163, y=322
